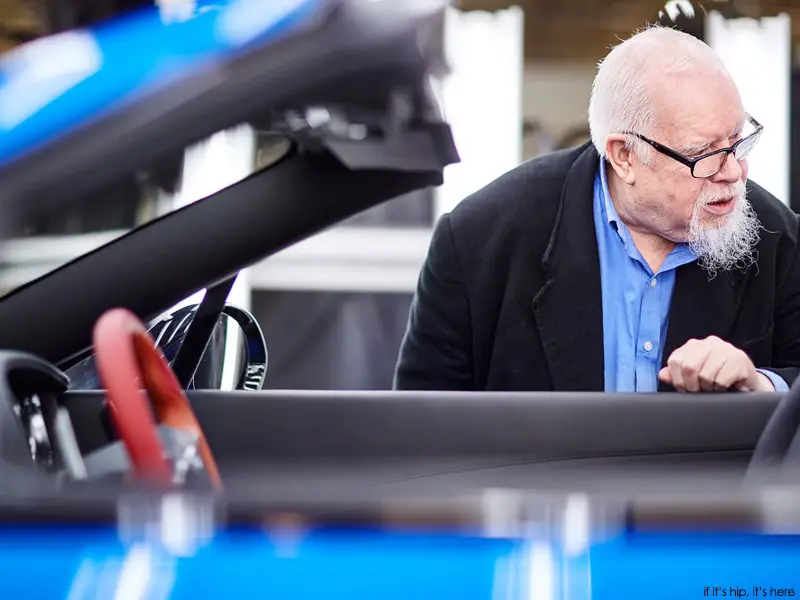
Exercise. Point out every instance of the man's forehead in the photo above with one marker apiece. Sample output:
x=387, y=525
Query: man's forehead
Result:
x=698, y=96
x=703, y=130
x=698, y=119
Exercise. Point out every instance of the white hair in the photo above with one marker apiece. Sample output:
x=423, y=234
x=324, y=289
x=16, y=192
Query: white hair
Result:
x=620, y=99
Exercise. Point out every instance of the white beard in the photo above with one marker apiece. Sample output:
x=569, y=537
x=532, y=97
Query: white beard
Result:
x=726, y=242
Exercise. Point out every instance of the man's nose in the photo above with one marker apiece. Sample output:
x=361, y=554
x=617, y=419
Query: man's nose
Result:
x=731, y=170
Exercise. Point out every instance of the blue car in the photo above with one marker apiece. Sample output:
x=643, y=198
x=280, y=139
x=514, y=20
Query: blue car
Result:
x=193, y=490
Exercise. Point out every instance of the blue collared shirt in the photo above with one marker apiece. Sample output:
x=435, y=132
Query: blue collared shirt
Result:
x=635, y=300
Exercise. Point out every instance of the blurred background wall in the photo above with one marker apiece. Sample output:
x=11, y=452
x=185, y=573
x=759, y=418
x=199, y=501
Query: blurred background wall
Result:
x=334, y=308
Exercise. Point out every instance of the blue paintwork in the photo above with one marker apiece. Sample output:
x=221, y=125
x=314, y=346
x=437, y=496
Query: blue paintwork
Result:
x=49, y=562
x=663, y=566
x=121, y=60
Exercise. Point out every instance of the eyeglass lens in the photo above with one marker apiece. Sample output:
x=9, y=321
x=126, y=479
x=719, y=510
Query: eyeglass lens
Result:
x=712, y=164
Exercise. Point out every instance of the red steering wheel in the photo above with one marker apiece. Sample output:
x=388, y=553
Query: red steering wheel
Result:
x=127, y=358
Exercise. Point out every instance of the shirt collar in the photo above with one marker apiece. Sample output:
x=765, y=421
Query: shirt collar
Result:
x=681, y=251
x=609, y=210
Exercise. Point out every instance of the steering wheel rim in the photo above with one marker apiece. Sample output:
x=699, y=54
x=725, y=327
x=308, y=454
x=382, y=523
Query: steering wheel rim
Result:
x=127, y=360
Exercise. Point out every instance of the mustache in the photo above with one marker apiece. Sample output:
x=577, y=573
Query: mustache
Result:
x=723, y=192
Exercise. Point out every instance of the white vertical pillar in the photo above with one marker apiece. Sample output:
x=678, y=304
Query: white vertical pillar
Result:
x=482, y=99
x=212, y=165
x=758, y=55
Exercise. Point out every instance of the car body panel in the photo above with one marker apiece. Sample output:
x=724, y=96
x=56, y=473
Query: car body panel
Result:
x=441, y=433
x=118, y=63
x=398, y=565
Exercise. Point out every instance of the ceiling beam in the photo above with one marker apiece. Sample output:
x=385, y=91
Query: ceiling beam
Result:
x=583, y=30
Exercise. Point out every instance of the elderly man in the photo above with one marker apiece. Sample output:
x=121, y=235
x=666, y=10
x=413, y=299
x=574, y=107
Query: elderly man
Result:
x=643, y=261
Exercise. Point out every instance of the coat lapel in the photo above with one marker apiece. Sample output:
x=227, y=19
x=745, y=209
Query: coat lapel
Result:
x=702, y=306
x=568, y=308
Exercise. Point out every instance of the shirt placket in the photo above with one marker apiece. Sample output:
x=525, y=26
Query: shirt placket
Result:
x=649, y=337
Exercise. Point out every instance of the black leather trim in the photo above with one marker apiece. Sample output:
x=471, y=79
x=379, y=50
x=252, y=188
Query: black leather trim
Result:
x=280, y=427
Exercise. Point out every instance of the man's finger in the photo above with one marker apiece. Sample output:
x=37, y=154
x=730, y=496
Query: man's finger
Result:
x=693, y=361
x=710, y=371
x=732, y=374
x=675, y=367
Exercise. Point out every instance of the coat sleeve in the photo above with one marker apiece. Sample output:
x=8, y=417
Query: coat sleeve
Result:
x=786, y=338
x=436, y=352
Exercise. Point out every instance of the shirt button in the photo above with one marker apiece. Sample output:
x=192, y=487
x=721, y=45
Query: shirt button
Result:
x=648, y=346
x=653, y=282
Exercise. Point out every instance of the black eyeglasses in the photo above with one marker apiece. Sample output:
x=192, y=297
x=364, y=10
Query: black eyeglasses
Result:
x=711, y=163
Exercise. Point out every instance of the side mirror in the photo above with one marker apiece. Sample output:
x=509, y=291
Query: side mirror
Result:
x=235, y=357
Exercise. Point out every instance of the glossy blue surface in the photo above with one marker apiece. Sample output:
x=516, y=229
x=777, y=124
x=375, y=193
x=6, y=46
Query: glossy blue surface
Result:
x=665, y=566
x=84, y=563
x=118, y=62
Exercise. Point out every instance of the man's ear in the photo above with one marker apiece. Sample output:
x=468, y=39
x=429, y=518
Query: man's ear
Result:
x=620, y=157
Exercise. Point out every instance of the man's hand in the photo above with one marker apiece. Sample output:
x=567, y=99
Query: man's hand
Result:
x=713, y=365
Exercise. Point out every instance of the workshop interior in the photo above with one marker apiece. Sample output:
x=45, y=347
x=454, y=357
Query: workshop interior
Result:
x=227, y=203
